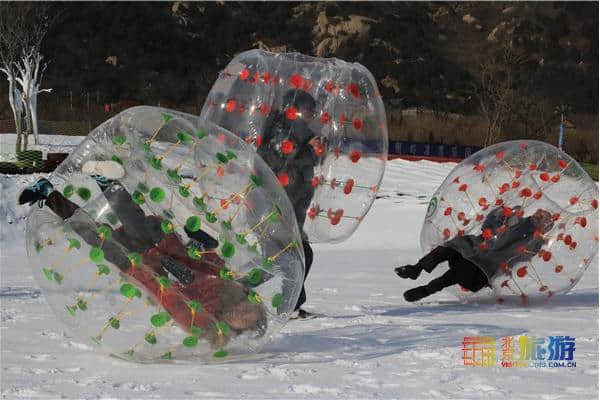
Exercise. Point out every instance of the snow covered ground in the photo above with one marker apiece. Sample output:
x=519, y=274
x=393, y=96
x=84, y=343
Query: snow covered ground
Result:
x=370, y=344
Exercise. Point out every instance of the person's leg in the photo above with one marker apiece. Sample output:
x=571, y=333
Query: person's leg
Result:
x=60, y=205
x=146, y=230
x=308, y=256
x=434, y=286
x=427, y=263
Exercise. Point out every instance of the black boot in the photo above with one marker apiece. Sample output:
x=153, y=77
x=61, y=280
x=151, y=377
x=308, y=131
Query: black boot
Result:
x=39, y=191
x=201, y=240
x=409, y=271
x=179, y=271
x=416, y=294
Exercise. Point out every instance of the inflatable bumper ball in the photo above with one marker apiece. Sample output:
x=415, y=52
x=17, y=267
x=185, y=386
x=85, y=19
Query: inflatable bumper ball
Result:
x=524, y=212
x=193, y=253
x=318, y=123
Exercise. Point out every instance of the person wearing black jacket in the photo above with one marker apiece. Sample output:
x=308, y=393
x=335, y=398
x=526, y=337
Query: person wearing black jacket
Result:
x=473, y=259
x=288, y=148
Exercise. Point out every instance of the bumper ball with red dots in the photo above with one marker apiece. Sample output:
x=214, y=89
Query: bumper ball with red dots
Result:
x=193, y=253
x=525, y=213
x=318, y=123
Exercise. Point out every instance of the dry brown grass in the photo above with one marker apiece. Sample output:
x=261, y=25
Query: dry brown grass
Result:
x=581, y=141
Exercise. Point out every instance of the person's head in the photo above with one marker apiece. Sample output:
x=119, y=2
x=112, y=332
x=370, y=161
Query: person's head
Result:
x=304, y=103
x=542, y=220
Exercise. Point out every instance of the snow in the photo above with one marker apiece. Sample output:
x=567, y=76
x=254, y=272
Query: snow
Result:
x=370, y=343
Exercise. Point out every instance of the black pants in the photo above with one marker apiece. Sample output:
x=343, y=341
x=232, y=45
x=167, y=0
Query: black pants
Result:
x=462, y=271
x=138, y=234
x=308, y=256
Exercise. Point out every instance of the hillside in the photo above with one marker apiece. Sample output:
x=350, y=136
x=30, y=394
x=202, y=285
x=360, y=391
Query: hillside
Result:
x=423, y=55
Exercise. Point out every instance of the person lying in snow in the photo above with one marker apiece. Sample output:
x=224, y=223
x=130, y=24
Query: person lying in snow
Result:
x=161, y=253
x=506, y=239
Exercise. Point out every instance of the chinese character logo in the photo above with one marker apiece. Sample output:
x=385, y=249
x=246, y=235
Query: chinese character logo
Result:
x=524, y=351
x=479, y=351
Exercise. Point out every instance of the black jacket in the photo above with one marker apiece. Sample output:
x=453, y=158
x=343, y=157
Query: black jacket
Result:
x=503, y=247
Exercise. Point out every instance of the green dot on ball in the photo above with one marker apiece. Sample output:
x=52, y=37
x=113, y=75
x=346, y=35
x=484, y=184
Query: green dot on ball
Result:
x=200, y=134
x=210, y=217
x=193, y=223
x=255, y=276
x=194, y=305
x=142, y=187
x=194, y=253
x=241, y=239
x=150, y=338
x=254, y=297
x=68, y=191
x=128, y=290
x=134, y=258
x=222, y=158
x=226, y=274
x=199, y=203
x=117, y=159
x=277, y=300
x=255, y=179
x=220, y=353
x=157, y=194
x=160, y=319
x=190, y=341
x=196, y=330
x=119, y=140
x=114, y=323
x=84, y=193
x=48, y=273
x=103, y=269
x=156, y=163
x=57, y=277
x=227, y=250
x=184, y=137
x=166, y=226
x=174, y=176
x=226, y=225
x=96, y=255
x=184, y=191
x=163, y=281
x=74, y=244
x=105, y=232
x=138, y=197
x=223, y=328
x=82, y=304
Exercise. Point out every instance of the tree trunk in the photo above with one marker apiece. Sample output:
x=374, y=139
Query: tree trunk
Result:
x=15, y=103
x=27, y=123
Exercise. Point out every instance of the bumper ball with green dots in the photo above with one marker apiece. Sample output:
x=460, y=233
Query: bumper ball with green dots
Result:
x=525, y=213
x=194, y=253
x=319, y=123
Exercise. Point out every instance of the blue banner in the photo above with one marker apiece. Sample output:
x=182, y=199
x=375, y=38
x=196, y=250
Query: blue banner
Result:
x=431, y=149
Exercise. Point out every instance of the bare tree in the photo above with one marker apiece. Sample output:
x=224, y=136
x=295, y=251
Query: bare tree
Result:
x=23, y=26
x=495, y=90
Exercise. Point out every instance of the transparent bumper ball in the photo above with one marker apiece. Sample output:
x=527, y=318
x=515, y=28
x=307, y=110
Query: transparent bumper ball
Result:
x=192, y=254
x=525, y=213
x=318, y=123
